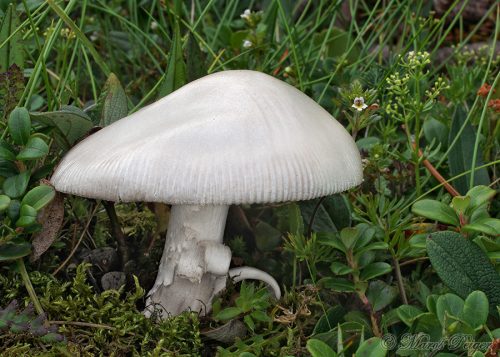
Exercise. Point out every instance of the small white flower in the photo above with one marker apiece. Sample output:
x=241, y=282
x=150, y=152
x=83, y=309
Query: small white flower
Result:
x=359, y=103
x=246, y=14
x=154, y=25
x=247, y=44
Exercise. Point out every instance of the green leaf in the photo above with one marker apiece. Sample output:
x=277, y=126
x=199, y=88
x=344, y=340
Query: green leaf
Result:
x=4, y=202
x=349, y=236
x=480, y=195
x=328, y=321
x=19, y=125
x=318, y=348
x=375, y=269
x=39, y=196
x=25, y=221
x=35, y=148
x=7, y=151
x=12, y=251
x=176, y=69
x=460, y=155
x=195, y=60
x=27, y=210
x=70, y=124
x=295, y=221
x=331, y=240
x=337, y=284
x=339, y=268
x=12, y=51
x=490, y=226
x=435, y=131
x=463, y=266
x=7, y=168
x=460, y=204
x=408, y=314
x=228, y=313
x=337, y=207
x=260, y=316
x=249, y=322
x=381, y=294
x=373, y=347
x=436, y=210
x=448, y=305
x=475, y=310
x=114, y=106
x=15, y=186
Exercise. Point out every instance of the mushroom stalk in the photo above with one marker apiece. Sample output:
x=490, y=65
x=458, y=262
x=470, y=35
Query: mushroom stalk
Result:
x=194, y=258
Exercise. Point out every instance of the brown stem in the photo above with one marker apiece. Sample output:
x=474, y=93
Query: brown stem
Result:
x=437, y=175
x=399, y=278
x=411, y=261
x=83, y=324
x=117, y=231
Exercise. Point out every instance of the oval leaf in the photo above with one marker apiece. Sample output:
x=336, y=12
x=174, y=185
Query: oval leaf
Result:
x=318, y=348
x=12, y=251
x=475, y=311
x=39, y=197
x=35, y=149
x=19, y=125
x=437, y=211
x=15, y=186
x=4, y=202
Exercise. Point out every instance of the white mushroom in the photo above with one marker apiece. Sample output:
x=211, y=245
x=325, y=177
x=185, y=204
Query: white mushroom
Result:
x=229, y=138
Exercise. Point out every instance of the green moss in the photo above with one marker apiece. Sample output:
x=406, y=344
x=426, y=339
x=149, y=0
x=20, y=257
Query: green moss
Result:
x=105, y=324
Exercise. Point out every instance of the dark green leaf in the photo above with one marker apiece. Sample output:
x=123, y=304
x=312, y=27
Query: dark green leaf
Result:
x=12, y=251
x=460, y=155
x=339, y=210
x=435, y=131
x=333, y=316
x=71, y=124
x=19, y=125
x=436, y=210
x=7, y=168
x=463, y=266
x=35, y=148
x=114, y=106
x=381, y=294
x=339, y=268
x=12, y=51
x=176, y=70
x=7, y=151
x=337, y=284
x=195, y=60
x=375, y=269
x=15, y=186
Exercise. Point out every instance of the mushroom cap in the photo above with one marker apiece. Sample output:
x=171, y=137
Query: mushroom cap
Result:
x=228, y=138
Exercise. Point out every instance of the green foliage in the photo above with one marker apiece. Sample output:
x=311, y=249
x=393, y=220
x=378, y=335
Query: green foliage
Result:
x=463, y=266
x=24, y=323
x=448, y=319
x=109, y=321
x=468, y=213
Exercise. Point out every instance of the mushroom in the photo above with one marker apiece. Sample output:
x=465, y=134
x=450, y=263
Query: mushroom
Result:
x=232, y=137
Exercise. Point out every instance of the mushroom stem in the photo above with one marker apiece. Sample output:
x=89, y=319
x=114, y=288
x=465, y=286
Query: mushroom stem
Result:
x=193, y=259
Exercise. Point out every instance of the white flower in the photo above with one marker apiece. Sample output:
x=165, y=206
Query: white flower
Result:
x=246, y=14
x=154, y=25
x=359, y=103
x=247, y=44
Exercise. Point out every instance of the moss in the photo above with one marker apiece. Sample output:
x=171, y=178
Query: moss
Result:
x=101, y=324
